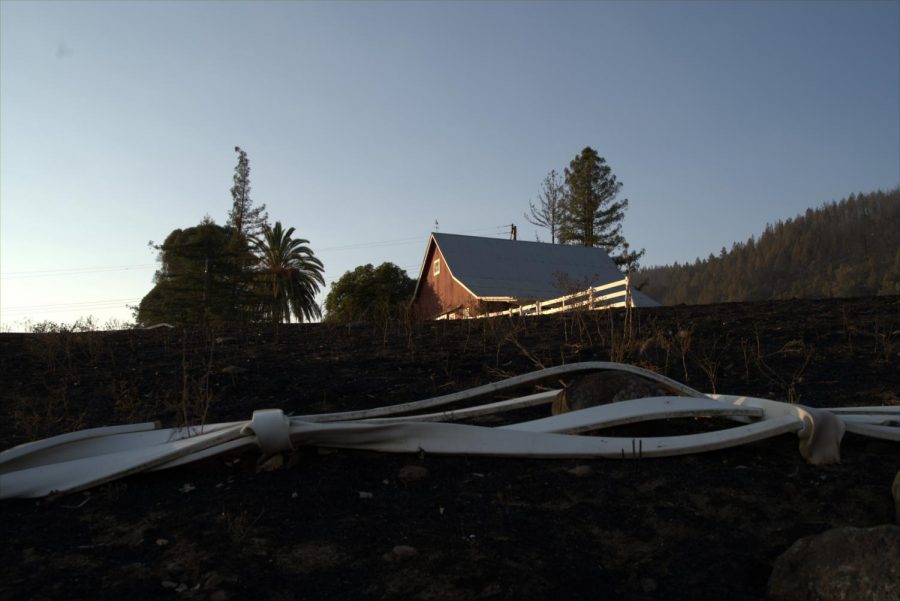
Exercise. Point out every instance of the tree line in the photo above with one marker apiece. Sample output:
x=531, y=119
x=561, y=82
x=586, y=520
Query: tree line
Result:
x=246, y=271
x=841, y=249
x=249, y=271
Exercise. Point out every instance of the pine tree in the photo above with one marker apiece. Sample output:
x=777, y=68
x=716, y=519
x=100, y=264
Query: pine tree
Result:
x=591, y=215
x=245, y=220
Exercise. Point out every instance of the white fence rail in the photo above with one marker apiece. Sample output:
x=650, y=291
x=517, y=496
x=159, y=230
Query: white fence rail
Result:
x=592, y=299
x=79, y=460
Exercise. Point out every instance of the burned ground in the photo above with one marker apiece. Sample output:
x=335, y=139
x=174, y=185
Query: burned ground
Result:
x=705, y=526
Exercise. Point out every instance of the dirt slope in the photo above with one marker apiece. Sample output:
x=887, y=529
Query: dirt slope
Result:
x=698, y=527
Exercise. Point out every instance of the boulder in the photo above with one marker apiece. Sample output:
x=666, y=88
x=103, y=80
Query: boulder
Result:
x=581, y=471
x=270, y=463
x=400, y=553
x=412, y=473
x=844, y=564
x=602, y=388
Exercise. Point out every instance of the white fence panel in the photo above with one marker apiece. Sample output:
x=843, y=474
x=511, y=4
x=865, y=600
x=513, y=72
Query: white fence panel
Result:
x=590, y=299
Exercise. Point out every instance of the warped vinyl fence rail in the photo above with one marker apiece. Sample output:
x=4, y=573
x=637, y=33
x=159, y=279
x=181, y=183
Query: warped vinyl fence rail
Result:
x=87, y=458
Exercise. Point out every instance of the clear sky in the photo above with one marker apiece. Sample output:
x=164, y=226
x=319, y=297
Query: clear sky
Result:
x=366, y=122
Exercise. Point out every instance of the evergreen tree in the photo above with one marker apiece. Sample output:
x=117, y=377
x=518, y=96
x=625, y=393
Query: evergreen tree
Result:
x=244, y=219
x=591, y=215
x=245, y=222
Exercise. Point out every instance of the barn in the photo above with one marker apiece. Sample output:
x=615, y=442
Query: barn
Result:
x=467, y=276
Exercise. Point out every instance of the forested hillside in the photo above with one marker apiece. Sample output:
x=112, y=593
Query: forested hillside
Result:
x=846, y=248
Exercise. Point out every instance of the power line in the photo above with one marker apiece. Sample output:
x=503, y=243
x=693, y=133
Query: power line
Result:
x=16, y=275
x=372, y=244
x=115, y=303
x=497, y=229
x=91, y=302
x=80, y=306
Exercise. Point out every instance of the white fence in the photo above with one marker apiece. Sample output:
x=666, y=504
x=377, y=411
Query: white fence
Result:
x=592, y=299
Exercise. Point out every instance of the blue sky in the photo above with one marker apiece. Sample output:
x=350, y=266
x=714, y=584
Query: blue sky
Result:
x=366, y=122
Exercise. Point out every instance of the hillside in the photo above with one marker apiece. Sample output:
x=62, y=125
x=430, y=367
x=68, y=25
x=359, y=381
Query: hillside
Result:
x=698, y=527
x=842, y=249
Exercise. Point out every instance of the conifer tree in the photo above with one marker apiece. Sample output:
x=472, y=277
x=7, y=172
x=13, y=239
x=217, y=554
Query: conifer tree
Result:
x=591, y=215
x=245, y=220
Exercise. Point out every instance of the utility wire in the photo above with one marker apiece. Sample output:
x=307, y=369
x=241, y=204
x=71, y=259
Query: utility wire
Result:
x=400, y=241
x=50, y=308
x=14, y=275
x=498, y=230
x=92, y=302
x=17, y=275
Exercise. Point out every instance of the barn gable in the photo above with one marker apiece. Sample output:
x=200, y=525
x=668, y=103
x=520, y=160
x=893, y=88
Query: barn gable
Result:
x=464, y=272
x=437, y=290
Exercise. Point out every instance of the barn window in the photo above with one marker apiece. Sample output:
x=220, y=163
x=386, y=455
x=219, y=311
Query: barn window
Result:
x=436, y=268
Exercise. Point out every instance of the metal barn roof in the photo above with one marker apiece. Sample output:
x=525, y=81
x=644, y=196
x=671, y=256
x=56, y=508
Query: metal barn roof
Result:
x=497, y=268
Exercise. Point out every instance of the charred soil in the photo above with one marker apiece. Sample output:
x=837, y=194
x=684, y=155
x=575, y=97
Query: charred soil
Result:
x=346, y=525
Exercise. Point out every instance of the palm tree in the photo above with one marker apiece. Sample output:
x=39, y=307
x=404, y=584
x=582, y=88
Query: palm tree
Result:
x=290, y=275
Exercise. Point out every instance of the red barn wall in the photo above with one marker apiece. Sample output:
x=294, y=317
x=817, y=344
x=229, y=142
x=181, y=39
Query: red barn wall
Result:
x=439, y=293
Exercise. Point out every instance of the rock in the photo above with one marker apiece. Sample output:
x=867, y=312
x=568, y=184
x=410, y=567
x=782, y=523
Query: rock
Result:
x=846, y=564
x=580, y=471
x=174, y=567
x=412, y=473
x=270, y=464
x=365, y=494
x=213, y=581
x=603, y=388
x=648, y=585
x=400, y=553
x=895, y=490
x=169, y=584
x=404, y=551
x=219, y=595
